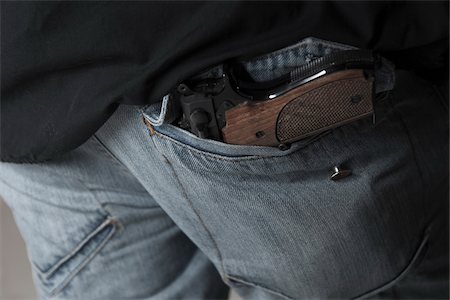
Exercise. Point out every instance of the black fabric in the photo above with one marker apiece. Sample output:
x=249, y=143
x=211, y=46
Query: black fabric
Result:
x=65, y=66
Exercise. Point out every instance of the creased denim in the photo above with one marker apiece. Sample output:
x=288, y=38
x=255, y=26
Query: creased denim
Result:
x=273, y=221
x=94, y=232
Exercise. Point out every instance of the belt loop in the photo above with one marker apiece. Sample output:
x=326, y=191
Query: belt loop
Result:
x=156, y=113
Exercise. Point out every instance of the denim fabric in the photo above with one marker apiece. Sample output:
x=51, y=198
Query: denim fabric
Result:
x=94, y=232
x=280, y=62
x=139, y=213
x=275, y=221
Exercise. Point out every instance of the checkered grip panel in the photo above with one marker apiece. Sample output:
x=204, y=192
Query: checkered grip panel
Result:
x=328, y=106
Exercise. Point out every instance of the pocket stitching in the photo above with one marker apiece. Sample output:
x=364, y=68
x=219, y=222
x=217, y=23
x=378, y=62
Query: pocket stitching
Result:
x=102, y=147
x=211, y=155
x=403, y=272
x=237, y=158
x=52, y=270
x=254, y=285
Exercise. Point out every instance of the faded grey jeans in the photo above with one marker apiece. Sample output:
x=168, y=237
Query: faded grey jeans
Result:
x=137, y=213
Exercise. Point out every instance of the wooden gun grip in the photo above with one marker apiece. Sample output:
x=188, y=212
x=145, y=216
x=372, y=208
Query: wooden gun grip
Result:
x=324, y=103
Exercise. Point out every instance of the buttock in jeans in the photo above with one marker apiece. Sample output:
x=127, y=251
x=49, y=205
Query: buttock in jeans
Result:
x=135, y=213
x=273, y=220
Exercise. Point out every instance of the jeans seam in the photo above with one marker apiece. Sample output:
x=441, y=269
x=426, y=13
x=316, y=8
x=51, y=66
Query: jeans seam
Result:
x=413, y=150
x=238, y=159
x=51, y=271
x=255, y=285
x=109, y=153
x=410, y=265
x=202, y=222
x=109, y=221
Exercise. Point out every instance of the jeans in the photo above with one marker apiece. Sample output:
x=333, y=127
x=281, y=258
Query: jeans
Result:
x=163, y=214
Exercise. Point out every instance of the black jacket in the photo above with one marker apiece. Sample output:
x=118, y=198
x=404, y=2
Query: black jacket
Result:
x=65, y=66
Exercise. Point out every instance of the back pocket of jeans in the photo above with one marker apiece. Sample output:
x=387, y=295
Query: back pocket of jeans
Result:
x=55, y=273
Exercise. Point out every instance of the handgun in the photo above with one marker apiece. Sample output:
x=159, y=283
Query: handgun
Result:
x=326, y=93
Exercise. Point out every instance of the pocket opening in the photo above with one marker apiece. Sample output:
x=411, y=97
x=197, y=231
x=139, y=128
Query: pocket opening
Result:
x=221, y=150
x=77, y=258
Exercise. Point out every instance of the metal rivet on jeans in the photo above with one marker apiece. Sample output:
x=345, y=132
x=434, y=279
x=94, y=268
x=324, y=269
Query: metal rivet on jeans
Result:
x=339, y=174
